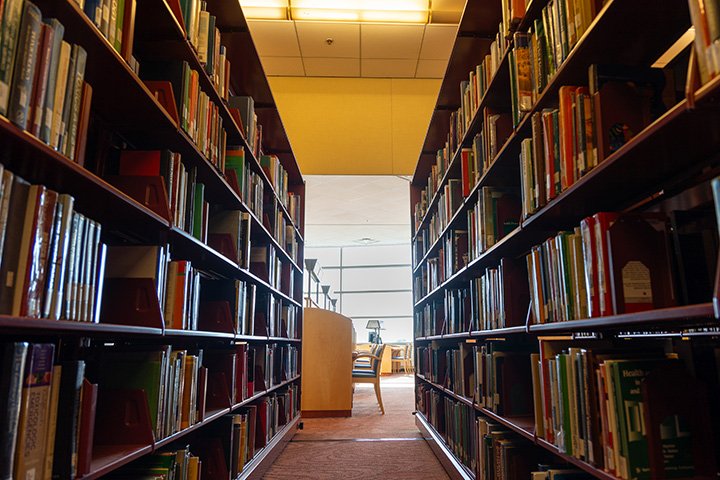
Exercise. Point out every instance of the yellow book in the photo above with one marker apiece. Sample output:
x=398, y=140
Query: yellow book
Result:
x=194, y=465
x=52, y=422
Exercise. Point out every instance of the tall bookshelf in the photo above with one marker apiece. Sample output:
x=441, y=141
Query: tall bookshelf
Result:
x=478, y=296
x=215, y=332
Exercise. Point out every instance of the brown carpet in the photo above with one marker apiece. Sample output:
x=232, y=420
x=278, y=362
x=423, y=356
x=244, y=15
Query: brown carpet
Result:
x=367, y=445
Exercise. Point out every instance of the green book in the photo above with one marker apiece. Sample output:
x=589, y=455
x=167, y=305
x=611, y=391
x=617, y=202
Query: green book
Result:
x=199, y=211
x=627, y=377
x=9, y=33
x=138, y=370
x=564, y=403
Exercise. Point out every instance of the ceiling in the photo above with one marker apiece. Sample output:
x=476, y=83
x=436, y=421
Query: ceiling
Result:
x=341, y=210
x=371, y=50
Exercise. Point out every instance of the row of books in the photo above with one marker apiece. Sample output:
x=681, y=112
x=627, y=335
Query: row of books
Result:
x=244, y=106
x=195, y=112
x=204, y=36
x=437, y=172
x=495, y=215
x=593, y=404
x=191, y=299
x=490, y=375
x=42, y=79
x=116, y=21
x=453, y=420
x=473, y=89
x=267, y=265
x=537, y=55
x=246, y=183
x=53, y=261
x=39, y=442
x=611, y=264
x=706, y=20
x=166, y=465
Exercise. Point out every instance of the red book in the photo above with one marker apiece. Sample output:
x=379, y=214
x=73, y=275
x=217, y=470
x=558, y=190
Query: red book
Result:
x=261, y=424
x=87, y=426
x=241, y=366
x=603, y=222
x=567, y=134
x=467, y=182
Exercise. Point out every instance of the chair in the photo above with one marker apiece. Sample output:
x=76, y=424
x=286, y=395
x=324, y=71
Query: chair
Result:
x=371, y=375
x=365, y=363
x=402, y=357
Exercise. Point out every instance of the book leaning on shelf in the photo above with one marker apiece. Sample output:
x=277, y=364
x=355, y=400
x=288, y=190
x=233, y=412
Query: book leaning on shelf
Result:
x=180, y=464
x=42, y=86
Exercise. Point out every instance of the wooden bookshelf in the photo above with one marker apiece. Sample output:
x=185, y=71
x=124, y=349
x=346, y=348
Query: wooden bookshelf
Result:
x=122, y=103
x=665, y=167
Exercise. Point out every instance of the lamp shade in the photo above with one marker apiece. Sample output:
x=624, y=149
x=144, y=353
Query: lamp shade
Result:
x=325, y=289
x=310, y=264
x=371, y=324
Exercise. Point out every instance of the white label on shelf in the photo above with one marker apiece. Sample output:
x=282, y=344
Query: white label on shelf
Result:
x=637, y=287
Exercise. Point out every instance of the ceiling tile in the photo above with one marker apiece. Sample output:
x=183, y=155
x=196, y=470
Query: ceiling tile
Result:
x=283, y=66
x=313, y=39
x=447, y=11
x=438, y=42
x=332, y=67
x=391, y=41
x=431, y=68
x=275, y=38
x=387, y=68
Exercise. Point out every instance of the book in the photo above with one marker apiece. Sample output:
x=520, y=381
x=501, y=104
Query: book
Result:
x=24, y=72
x=35, y=405
x=14, y=357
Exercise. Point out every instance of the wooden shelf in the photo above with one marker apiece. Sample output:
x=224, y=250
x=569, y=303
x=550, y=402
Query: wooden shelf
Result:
x=25, y=155
x=525, y=425
x=47, y=327
x=596, y=472
x=107, y=458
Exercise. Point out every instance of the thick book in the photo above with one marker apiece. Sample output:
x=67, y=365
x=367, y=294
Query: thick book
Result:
x=26, y=60
x=30, y=453
x=11, y=389
x=13, y=242
x=10, y=21
x=39, y=89
x=46, y=113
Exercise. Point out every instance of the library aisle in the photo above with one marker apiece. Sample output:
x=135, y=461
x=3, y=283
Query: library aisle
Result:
x=367, y=445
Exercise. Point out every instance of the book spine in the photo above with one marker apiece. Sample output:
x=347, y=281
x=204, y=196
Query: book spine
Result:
x=24, y=73
x=10, y=30
x=10, y=400
x=48, y=107
x=77, y=87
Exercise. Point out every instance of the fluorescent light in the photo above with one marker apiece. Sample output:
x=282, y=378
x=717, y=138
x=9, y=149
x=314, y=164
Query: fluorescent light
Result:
x=379, y=11
x=265, y=9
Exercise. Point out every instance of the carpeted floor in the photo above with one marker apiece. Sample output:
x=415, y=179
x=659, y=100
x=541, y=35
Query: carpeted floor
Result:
x=367, y=445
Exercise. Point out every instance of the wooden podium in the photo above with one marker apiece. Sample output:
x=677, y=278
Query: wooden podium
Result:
x=327, y=364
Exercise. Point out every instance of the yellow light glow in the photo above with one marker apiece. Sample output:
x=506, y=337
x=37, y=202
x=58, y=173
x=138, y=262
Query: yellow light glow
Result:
x=265, y=13
x=377, y=11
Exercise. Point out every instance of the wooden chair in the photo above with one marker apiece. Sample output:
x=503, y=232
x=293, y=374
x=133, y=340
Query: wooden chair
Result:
x=402, y=358
x=371, y=375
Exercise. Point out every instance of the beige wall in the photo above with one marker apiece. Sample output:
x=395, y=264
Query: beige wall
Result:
x=355, y=126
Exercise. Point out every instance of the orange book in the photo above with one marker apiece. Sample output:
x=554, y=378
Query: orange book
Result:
x=567, y=134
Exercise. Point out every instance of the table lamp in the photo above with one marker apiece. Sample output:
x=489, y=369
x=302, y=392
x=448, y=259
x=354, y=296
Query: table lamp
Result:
x=374, y=337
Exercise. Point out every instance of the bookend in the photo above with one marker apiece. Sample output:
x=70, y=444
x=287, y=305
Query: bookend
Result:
x=216, y=317
x=677, y=419
x=87, y=426
x=131, y=301
x=223, y=244
x=516, y=291
x=123, y=419
x=162, y=91
x=214, y=463
x=146, y=190
x=716, y=290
